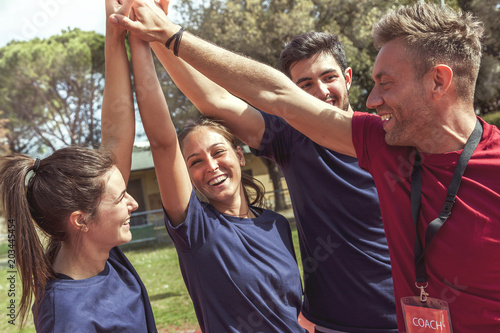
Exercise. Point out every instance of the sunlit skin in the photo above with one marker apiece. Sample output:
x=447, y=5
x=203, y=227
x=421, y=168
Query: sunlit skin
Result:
x=112, y=223
x=321, y=76
x=214, y=167
x=402, y=101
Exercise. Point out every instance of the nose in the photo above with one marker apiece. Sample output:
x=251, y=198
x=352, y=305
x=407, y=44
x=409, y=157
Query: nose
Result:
x=322, y=92
x=374, y=100
x=131, y=203
x=212, y=164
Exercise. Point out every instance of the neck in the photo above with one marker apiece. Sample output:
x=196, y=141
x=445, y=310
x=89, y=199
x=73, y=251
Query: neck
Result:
x=449, y=136
x=79, y=263
x=237, y=207
x=248, y=214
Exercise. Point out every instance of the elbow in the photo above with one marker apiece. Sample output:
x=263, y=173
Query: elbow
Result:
x=162, y=143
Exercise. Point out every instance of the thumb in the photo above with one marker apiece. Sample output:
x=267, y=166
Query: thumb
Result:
x=164, y=5
x=121, y=21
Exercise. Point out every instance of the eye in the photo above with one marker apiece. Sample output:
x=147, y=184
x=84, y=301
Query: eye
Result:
x=329, y=78
x=385, y=84
x=305, y=86
x=219, y=152
x=195, y=162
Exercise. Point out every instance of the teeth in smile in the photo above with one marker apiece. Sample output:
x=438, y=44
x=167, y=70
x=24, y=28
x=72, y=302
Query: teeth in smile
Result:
x=386, y=117
x=217, y=180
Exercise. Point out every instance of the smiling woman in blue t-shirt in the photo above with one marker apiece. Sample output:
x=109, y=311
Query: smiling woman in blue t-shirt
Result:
x=237, y=259
x=82, y=282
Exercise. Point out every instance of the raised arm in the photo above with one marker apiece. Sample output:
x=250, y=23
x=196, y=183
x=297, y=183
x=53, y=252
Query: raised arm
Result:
x=171, y=171
x=117, y=117
x=261, y=85
x=212, y=100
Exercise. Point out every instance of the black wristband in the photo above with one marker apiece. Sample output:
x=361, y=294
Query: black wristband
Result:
x=177, y=36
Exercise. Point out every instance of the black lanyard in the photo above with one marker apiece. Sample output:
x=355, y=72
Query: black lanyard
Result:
x=437, y=223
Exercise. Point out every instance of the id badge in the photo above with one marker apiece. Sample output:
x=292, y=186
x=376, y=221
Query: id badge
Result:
x=431, y=316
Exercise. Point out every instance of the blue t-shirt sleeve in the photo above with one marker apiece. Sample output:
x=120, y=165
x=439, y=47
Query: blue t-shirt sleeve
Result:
x=45, y=320
x=277, y=140
x=196, y=229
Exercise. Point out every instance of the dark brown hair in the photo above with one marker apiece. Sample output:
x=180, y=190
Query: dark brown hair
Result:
x=436, y=34
x=252, y=187
x=71, y=179
x=306, y=45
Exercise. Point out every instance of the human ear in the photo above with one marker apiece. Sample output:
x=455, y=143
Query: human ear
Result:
x=348, y=77
x=240, y=155
x=78, y=221
x=442, y=79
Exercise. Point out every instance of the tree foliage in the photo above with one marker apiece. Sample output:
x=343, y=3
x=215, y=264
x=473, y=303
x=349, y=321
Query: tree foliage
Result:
x=51, y=91
x=487, y=98
x=4, y=147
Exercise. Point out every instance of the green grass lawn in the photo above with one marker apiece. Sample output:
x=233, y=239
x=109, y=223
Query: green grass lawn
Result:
x=159, y=269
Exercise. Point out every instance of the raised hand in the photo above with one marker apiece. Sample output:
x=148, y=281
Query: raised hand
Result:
x=113, y=7
x=150, y=22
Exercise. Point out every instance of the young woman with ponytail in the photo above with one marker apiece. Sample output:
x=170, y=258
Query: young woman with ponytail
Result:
x=76, y=277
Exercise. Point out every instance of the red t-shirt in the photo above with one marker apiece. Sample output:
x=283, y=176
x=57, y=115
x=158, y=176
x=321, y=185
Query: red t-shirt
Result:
x=463, y=260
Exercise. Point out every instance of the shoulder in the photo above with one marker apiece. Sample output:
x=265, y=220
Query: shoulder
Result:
x=363, y=120
x=491, y=135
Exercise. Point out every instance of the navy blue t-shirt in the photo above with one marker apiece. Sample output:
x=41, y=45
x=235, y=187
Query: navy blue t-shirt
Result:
x=241, y=273
x=113, y=301
x=347, y=273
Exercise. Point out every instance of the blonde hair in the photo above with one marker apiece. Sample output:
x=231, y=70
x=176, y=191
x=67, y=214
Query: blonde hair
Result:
x=436, y=34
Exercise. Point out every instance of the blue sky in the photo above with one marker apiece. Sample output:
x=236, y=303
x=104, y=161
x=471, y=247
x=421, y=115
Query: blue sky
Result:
x=26, y=19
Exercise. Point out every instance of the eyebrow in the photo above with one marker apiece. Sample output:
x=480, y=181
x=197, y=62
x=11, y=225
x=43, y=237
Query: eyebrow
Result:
x=330, y=70
x=380, y=74
x=196, y=154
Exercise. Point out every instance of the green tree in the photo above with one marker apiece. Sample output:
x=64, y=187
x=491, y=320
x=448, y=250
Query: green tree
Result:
x=4, y=147
x=51, y=91
x=487, y=98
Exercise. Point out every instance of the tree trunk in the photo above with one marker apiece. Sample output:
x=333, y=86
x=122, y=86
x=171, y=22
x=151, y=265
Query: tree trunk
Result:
x=275, y=175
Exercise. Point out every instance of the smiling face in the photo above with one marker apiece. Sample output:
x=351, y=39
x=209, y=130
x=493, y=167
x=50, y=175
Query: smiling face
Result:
x=111, y=226
x=214, y=167
x=322, y=77
x=400, y=98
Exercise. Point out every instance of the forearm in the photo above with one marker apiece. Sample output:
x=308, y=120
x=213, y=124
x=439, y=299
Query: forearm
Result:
x=118, y=118
x=172, y=175
x=271, y=91
x=211, y=99
x=153, y=108
x=207, y=96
